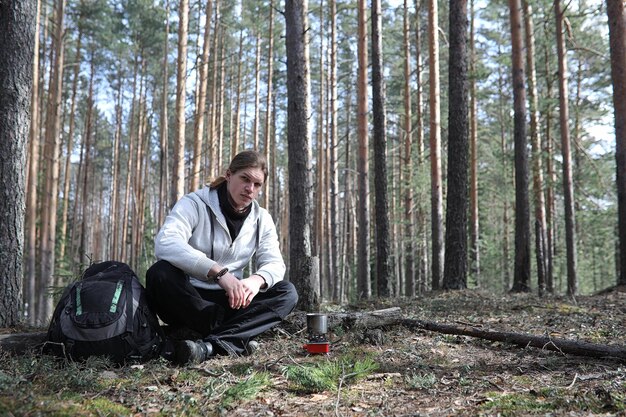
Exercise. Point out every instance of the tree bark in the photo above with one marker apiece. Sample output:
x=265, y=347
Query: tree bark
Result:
x=617, y=35
x=333, y=145
x=178, y=175
x=521, y=276
x=474, y=250
x=199, y=122
x=406, y=169
x=17, y=33
x=539, y=200
x=301, y=263
x=381, y=209
x=364, y=288
x=455, y=268
x=436, y=191
x=568, y=185
x=53, y=143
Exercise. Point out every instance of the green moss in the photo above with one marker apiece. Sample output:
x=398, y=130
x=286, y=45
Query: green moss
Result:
x=514, y=404
x=104, y=407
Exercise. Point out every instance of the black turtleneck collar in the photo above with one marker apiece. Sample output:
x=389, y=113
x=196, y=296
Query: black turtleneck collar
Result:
x=234, y=218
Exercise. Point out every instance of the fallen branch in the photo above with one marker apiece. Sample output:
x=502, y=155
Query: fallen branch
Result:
x=574, y=347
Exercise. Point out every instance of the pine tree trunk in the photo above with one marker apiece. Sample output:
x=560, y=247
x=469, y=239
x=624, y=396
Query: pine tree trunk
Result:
x=301, y=263
x=551, y=175
x=178, y=174
x=539, y=200
x=257, y=86
x=455, y=268
x=53, y=142
x=436, y=191
x=268, y=105
x=70, y=145
x=86, y=220
x=30, y=279
x=333, y=145
x=364, y=289
x=474, y=250
x=381, y=206
x=17, y=33
x=234, y=134
x=164, y=127
x=568, y=186
x=521, y=276
x=407, y=168
x=198, y=128
x=617, y=35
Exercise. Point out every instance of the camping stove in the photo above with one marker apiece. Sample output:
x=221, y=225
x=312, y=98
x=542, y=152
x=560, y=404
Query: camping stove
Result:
x=317, y=326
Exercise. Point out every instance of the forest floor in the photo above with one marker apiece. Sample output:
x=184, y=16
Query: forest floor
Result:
x=400, y=372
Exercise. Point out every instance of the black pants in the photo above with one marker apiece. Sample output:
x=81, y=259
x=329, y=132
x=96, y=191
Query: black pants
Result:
x=180, y=304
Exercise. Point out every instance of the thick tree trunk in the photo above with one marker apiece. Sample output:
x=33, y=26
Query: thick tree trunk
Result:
x=383, y=270
x=521, y=276
x=436, y=190
x=17, y=32
x=617, y=34
x=568, y=185
x=301, y=263
x=455, y=268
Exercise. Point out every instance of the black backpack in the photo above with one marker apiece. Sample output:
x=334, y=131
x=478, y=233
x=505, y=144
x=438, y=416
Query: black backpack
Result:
x=105, y=314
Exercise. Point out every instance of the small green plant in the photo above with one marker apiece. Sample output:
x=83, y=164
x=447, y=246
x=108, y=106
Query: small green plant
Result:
x=326, y=376
x=422, y=381
x=245, y=390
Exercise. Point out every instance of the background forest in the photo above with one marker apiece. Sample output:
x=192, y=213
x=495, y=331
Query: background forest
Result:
x=111, y=135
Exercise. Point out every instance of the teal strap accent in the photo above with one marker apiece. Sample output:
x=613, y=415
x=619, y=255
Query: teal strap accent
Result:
x=116, y=296
x=79, y=307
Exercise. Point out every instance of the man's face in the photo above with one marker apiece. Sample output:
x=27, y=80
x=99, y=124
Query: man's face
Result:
x=244, y=186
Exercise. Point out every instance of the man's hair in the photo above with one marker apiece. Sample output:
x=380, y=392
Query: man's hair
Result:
x=243, y=160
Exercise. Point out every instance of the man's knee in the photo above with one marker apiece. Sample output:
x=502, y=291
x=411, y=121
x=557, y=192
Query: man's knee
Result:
x=288, y=294
x=161, y=272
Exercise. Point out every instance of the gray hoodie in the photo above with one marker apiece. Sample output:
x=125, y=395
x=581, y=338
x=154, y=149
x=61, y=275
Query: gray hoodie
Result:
x=188, y=237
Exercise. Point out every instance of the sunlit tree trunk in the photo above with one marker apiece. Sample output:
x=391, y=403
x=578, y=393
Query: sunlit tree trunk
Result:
x=436, y=191
x=70, y=144
x=257, y=87
x=333, y=144
x=32, y=182
x=234, y=134
x=539, y=200
x=86, y=220
x=268, y=103
x=568, y=186
x=164, y=126
x=198, y=128
x=52, y=149
x=521, y=276
x=319, y=240
x=178, y=175
x=364, y=289
x=617, y=35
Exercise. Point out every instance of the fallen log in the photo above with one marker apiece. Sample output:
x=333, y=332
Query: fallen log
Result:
x=19, y=343
x=574, y=347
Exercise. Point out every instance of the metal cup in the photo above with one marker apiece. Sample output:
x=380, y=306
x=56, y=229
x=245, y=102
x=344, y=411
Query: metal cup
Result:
x=317, y=324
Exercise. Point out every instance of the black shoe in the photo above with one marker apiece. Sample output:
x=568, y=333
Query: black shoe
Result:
x=191, y=352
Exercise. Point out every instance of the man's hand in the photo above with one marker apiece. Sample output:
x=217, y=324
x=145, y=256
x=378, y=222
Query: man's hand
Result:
x=241, y=292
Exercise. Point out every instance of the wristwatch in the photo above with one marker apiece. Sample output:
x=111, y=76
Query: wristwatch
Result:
x=220, y=274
